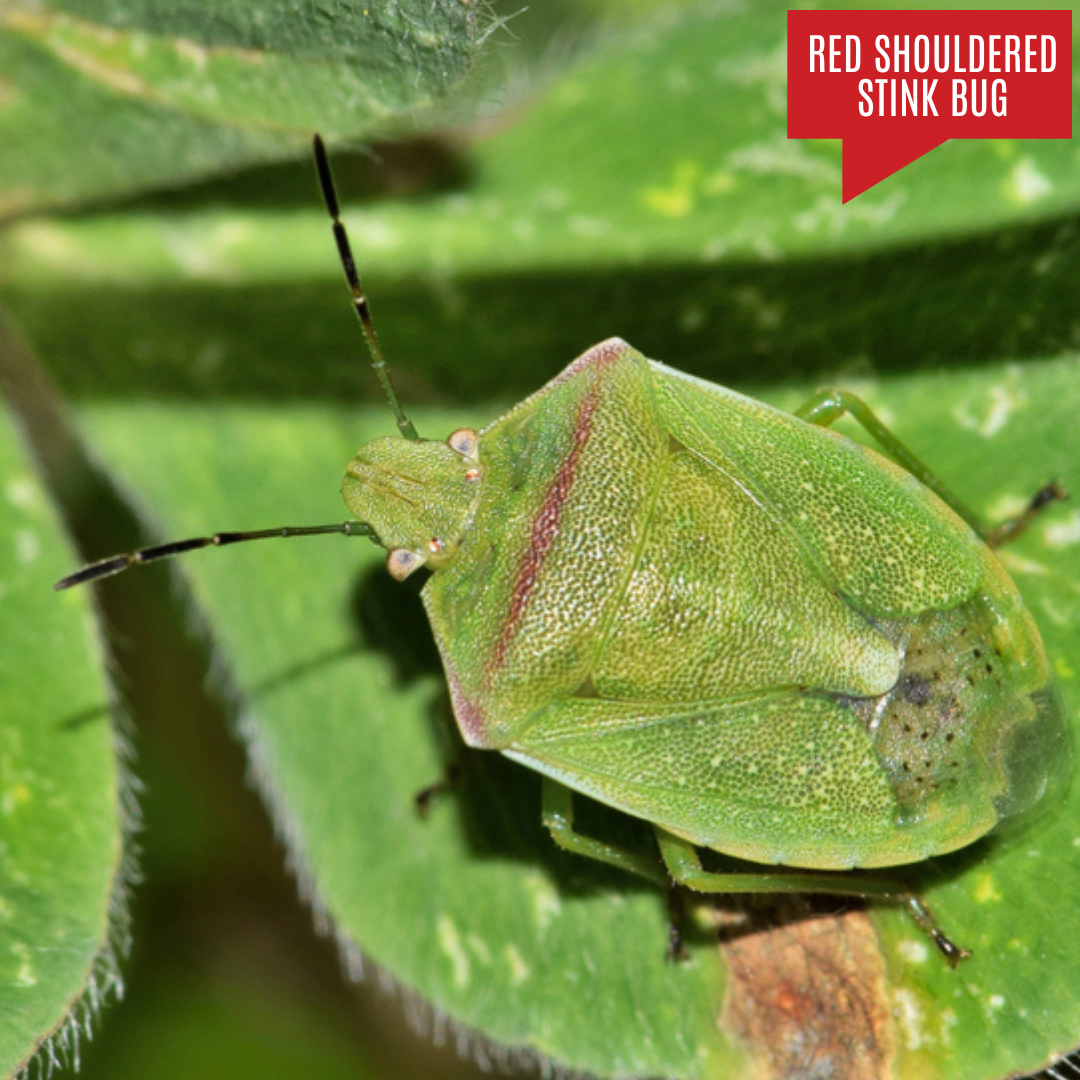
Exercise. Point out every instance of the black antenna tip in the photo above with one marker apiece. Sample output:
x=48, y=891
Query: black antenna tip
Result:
x=326, y=179
x=104, y=568
x=348, y=264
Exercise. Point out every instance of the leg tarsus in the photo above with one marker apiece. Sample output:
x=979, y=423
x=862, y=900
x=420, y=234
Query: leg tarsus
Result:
x=676, y=908
x=1011, y=529
x=423, y=799
x=923, y=918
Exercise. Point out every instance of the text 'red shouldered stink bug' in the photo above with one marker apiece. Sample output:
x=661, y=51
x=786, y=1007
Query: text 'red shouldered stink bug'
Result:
x=748, y=630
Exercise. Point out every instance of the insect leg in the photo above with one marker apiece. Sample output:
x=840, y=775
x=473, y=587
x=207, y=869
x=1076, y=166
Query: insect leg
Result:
x=558, y=817
x=684, y=865
x=1014, y=526
x=423, y=799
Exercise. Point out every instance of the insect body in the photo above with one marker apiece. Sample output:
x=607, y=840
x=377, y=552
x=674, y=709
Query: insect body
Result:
x=744, y=628
x=731, y=622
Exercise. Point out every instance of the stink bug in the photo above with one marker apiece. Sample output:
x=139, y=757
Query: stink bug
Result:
x=753, y=633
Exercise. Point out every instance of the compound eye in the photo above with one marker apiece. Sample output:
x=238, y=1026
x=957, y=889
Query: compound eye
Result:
x=401, y=562
x=466, y=442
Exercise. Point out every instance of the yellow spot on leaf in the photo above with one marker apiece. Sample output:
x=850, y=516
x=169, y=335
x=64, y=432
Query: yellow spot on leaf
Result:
x=1063, y=532
x=453, y=949
x=479, y=948
x=676, y=199
x=24, y=976
x=197, y=54
x=720, y=182
x=545, y=900
x=14, y=797
x=985, y=890
x=27, y=546
x=914, y=952
x=21, y=493
x=519, y=970
x=1025, y=184
x=911, y=1019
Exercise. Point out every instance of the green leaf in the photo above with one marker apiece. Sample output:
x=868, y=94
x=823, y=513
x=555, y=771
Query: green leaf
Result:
x=62, y=871
x=153, y=91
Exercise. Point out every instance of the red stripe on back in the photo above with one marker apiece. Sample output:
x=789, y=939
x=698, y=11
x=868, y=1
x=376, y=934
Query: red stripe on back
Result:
x=545, y=529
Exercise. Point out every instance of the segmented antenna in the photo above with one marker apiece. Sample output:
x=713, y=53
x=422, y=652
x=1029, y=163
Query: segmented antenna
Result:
x=116, y=563
x=360, y=304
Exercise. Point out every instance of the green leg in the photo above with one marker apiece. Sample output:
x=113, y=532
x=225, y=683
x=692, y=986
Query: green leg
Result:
x=826, y=406
x=558, y=816
x=684, y=865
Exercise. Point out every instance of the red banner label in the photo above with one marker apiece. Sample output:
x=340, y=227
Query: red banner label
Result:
x=895, y=84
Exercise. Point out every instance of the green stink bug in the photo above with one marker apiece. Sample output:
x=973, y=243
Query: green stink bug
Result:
x=730, y=622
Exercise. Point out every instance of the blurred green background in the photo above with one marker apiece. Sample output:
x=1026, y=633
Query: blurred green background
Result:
x=583, y=168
